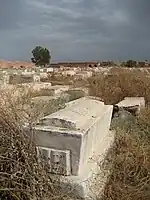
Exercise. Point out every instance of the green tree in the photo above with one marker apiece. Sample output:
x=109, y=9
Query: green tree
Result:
x=131, y=63
x=41, y=56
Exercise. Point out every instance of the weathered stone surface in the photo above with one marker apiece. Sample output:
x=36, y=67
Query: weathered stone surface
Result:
x=132, y=104
x=61, y=139
x=132, y=101
x=59, y=89
x=77, y=115
x=85, y=99
x=59, y=160
x=82, y=128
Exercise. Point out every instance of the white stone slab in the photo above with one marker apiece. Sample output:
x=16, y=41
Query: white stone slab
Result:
x=78, y=114
x=132, y=101
x=58, y=89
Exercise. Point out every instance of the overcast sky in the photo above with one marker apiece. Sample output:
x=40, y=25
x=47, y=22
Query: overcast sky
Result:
x=75, y=29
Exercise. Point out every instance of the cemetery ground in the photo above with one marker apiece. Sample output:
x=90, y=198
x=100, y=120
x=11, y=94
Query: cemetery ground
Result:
x=22, y=176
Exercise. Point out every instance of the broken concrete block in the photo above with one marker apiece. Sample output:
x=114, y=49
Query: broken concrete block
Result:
x=132, y=104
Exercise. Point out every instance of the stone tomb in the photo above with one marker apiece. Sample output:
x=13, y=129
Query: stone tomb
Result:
x=70, y=137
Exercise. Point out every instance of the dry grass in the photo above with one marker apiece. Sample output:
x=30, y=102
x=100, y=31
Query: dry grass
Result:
x=129, y=158
x=41, y=92
x=119, y=84
x=75, y=94
x=67, y=80
x=22, y=175
x=28, y=110
x=129, y=162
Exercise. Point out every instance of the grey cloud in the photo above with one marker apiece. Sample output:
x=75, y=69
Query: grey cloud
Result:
x=10, y=14
x=76, y=29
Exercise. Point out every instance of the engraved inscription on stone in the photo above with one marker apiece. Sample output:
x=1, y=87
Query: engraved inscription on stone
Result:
x=60, y=162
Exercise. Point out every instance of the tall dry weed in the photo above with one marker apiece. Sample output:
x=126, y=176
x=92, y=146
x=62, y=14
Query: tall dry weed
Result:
x=119, y=84
x=22, y=175
x=129, y=162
